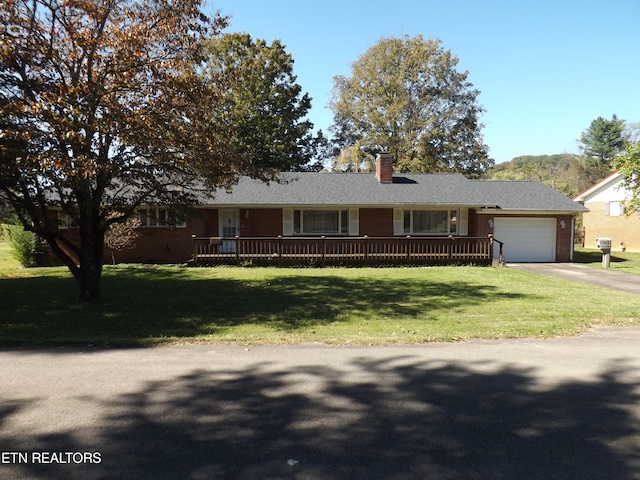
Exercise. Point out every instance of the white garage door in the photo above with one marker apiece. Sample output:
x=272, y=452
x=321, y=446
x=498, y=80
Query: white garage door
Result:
x=526, y=239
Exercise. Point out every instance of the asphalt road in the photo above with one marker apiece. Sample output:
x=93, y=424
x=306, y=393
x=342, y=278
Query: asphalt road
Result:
x=513, y=409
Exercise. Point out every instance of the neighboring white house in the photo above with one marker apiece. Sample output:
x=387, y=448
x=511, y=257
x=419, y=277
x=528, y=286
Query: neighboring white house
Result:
x=607, y=216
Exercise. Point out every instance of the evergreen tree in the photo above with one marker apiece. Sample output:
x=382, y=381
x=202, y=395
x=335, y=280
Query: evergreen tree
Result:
x=263, y=109
x=603, y=140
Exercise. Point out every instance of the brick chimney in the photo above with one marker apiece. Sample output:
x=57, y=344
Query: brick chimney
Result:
x=384, y=168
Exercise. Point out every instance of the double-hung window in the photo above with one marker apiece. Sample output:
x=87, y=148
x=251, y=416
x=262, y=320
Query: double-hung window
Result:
x=65, y=221
x=433, y=222
x=320, y=222
x=158, y=217
x=149, y=217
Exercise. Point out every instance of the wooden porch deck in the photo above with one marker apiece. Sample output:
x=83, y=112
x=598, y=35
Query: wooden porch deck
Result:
x=343, y=251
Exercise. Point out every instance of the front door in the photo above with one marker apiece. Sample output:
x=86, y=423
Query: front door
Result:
x=228, y=229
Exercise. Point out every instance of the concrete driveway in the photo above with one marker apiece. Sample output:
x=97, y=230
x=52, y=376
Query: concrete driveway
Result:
x=579, y=273
x=512, y=409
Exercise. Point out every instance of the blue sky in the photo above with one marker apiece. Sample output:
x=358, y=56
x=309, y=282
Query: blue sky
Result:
x=545, y=69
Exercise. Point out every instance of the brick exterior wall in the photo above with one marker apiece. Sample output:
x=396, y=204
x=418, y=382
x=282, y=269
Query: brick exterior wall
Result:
x=211, y=227
x=617, y=228
x=175, y=245
x=158, y=245
x=478, y=226
x=376, y=222
x=564, y=238
x=260, y=222
x=168, y=245
x=154, y=245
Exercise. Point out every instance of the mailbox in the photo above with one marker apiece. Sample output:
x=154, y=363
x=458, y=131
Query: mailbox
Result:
x=604, y=244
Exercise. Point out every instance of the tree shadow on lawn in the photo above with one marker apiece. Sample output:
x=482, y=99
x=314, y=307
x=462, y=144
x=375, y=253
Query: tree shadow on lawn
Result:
x=173, y=304
x=392, y=419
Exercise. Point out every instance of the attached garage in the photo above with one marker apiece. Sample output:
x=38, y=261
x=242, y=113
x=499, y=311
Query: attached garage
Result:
x=527, y=239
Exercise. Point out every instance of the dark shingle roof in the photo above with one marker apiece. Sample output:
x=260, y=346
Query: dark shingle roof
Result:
x=363, y=189
x=527, y=195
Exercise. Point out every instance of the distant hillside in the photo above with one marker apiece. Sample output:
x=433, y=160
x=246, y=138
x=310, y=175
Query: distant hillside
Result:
x=566, y=172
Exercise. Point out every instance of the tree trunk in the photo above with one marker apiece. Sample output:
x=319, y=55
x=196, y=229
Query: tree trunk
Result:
x=89, y=283
x=84, y=262
x=91, y=249
x=91, y=258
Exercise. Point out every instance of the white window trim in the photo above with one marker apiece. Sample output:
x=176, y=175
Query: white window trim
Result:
x=354, y=221
x=287, y=222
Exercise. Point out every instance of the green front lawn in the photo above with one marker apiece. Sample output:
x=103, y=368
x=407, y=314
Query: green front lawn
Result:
x=153, y=305
x=8, y=264
x=626, y=262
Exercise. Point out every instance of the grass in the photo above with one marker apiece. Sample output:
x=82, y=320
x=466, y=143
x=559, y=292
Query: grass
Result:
x=626, y=262
x=144, y=305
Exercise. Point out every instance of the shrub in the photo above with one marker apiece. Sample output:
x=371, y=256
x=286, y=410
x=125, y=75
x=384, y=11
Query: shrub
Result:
x=24, y=244
x=121, y=235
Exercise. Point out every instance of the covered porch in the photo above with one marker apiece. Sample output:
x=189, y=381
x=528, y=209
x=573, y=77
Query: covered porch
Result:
x=345, y=251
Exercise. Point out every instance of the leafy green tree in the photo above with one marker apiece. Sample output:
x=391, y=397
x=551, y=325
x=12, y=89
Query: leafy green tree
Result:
x=263, y=108
x=629, y=166
x=103, y=107
x=354, y=158
x=603, y=140
x=405, y=96
x=568, y=173
x=25, y=245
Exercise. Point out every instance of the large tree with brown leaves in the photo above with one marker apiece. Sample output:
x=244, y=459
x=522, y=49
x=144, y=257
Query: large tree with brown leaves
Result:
x=103, y=108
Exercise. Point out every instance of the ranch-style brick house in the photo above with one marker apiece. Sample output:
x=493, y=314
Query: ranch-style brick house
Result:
x=607, y=216
x=363, y=215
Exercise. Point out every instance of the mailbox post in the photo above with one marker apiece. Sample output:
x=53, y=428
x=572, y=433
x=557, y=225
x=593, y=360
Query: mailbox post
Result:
x=604, y=244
